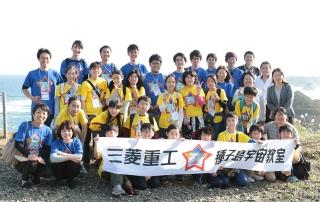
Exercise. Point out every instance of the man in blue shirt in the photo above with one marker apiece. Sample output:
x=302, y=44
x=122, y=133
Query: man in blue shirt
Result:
x=133, y=52
x=236, y=74
x=248, y=66
x=179, y=60
x=211, y=61
x=43, y=82
x=195, y=58
x=154, y=83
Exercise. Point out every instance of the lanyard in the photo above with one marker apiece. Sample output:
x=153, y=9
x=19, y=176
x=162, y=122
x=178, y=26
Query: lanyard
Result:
x=40, y=76
x=155, y=79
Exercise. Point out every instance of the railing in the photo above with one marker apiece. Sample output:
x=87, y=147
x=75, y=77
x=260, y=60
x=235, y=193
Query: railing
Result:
x=6, y=106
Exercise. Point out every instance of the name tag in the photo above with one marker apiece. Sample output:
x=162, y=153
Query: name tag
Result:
x=44, y=90
x=155, y=89
x=190, y=100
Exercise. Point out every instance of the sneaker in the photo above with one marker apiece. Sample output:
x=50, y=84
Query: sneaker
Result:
x=293, y=179
x=250, y=179
x=257, y=177
x=117, y=190
x=71, y=184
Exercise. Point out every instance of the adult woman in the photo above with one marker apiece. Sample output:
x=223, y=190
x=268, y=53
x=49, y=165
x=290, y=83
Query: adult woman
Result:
x=33, y=141
x=280, y=95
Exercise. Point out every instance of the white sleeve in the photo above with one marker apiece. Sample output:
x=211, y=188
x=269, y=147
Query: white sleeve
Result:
x=55, y=158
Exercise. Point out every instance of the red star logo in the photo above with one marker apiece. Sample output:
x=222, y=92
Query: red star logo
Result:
x=196, y=158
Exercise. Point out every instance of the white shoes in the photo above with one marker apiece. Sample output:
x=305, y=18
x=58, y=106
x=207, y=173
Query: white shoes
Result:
x=117, y=190
x=257, y=177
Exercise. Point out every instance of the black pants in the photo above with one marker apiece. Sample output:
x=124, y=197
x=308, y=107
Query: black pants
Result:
x=139, y=182
x=34, y=169
x=65, y=170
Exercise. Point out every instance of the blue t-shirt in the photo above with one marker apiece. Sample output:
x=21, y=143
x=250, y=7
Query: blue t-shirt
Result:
x=81, y=64
x=228, y=88
x=179, y=82
x=33, y=137
x=43, y=84
x=211, y=71
x=154, y=85
x=236, y=79
x=127, y=69
x=202, y=76
x=107, y=69
x=74, y=147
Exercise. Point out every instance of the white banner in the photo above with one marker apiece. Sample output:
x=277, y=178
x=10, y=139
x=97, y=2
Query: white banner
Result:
x=144, y=157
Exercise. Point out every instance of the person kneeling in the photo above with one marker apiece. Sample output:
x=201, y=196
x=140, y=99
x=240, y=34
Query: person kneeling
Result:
x=66, y=154
x=143, y=182
x=116, y=180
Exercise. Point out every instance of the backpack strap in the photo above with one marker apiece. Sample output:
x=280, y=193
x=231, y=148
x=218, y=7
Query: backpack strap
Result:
x=94, y=88
x=131, y=120
x=237, y=137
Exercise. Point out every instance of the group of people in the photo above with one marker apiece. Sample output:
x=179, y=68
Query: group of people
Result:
x=83, y=102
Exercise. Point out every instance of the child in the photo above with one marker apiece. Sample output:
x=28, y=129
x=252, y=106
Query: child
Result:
x=135, y=84
x=247, y=109
x=194, y=99
x=248, y=80
x=195, y=58
x=66, y=90
x=223, y=82
x=110, y=116
x=232, y=135
x=255, y=132
x=116, y=180
x=77, y=61
x=286, y=132
x=106, y=66
x=154, y=83
x=172, y=133
x=76, y=115
x=216, y=104
x=171, y=107
x=179, y=60
x=92, y=102
x=143, y=182
x=66, y=154
x=215, y=180
x=33, y=142
x=132, y=125
x=116, y=91
x=133, y=52
x=211, y=61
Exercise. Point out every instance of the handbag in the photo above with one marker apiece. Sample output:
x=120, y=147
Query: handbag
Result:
x=302, y=168
x=9, y=150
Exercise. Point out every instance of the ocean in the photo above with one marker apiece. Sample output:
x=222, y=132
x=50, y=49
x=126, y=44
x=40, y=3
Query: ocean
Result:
x=19, y=107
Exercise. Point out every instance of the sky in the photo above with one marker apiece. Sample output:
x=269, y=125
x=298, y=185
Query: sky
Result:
x=285, y=33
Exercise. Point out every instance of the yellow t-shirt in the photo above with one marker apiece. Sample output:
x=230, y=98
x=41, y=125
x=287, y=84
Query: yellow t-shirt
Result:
x=174, y=102
x=142, y=119
x=231, y=137
x=191, y=108
x=64, y=115
x=247, y=115
x=217, y=106
x=66, y=92
x=119, y=94
x=93, y=104
x=102, y=118
x=139, y=93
